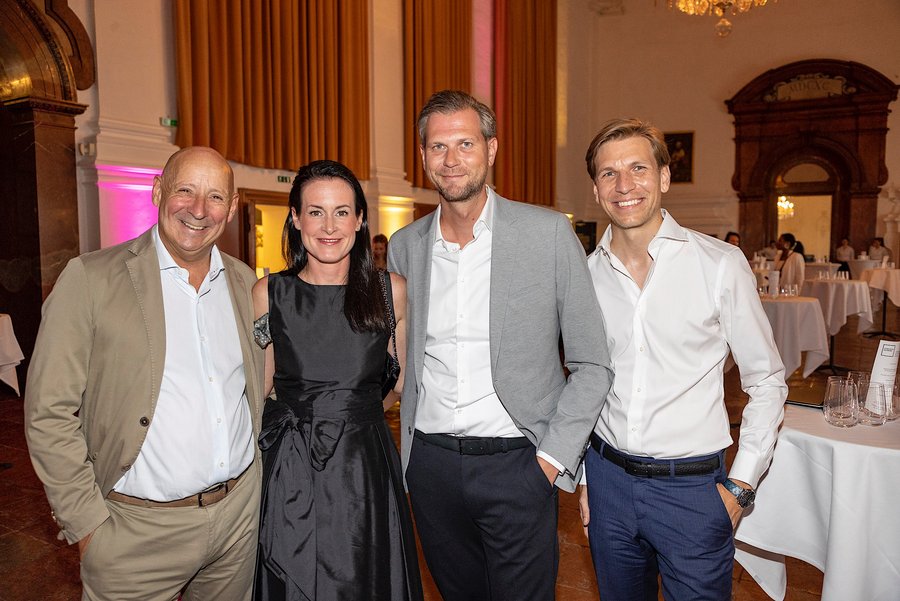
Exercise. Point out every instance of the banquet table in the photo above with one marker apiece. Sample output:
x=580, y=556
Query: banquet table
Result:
x=829, y=499
x=884, y=279
x=10, y=353
x=857, y=266
x=797, y=326
x=812, y=271
x=840, y=298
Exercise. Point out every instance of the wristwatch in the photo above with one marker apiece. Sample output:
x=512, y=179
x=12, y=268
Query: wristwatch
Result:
x=744, y=496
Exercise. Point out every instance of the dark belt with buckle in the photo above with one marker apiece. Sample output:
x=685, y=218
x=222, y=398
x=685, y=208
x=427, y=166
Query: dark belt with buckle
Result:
x=654, y=468
x=210, y=496
x=474, y=445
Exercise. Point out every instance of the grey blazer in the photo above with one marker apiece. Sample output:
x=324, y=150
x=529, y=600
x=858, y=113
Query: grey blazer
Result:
x=540, y=288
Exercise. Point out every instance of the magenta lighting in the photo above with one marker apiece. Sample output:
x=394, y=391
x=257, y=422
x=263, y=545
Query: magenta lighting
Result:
x=126, y=208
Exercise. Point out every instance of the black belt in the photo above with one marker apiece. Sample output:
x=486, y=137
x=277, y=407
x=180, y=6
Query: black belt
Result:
x=474, y=445
x=656, y=469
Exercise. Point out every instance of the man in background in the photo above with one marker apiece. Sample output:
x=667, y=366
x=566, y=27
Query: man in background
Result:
x=144, y=397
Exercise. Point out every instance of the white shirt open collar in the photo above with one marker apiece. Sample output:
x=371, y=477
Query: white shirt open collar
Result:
x=166, y=262
x=484, y=222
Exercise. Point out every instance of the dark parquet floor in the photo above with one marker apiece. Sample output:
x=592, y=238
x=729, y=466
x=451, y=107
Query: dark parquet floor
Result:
x=34, y=565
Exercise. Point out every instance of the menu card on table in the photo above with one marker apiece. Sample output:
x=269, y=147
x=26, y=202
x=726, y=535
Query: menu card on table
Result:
x=884, y=369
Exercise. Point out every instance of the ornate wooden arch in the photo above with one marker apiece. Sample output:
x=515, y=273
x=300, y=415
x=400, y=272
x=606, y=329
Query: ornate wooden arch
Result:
x=828, y=112
x=45, y=58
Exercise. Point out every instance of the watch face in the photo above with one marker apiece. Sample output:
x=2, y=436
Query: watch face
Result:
x=746, y=498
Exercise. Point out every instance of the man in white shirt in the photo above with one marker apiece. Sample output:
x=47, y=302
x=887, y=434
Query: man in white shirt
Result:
x=878, y=251
x=657, y=500
x=144, y=397
x=490, y=423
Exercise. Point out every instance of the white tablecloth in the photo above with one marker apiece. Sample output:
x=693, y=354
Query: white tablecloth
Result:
x=840, y=298
x=812, y=270
x=797, y=326
x=857, y=266
x=10, y=353
x=884, y=279
x=829, y=499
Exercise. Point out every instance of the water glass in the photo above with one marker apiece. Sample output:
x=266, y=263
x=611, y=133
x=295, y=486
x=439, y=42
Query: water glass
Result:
x=894, y=408
x=793, y=290
x=840, y=405
x=873, y=404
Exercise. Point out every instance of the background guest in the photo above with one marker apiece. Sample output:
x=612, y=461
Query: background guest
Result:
x=790, y=262
x=733, y=238
x=877, y=251
x=844, y=253
x=379, y=251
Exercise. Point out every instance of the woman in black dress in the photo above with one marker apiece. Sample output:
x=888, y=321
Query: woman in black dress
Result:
x=335, y=522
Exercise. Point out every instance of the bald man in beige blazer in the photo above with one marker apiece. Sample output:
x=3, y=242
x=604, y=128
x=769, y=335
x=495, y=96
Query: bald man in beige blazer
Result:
x=143, y=401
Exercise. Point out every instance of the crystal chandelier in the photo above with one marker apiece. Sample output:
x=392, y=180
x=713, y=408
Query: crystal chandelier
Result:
x=785, y=208
x=717, y=8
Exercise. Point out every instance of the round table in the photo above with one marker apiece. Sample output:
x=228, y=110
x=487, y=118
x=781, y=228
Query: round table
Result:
x=814, y=271
x=857, y=266
x=884, y=279
x=10, y=353
x=840, y=298
x=797, y=326
x=829, y=499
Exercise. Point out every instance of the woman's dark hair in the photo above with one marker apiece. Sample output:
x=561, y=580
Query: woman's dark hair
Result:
x=363, y=304
x=790, y=239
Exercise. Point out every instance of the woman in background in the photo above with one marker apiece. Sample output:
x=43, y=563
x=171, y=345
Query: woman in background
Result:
x=379, y=251
x=844, y=253
x=335, y=520
x=790, y=262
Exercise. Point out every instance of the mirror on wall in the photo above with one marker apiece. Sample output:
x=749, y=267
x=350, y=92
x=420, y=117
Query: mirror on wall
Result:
x=804, y=209
x=809, y=219
x=269, y=224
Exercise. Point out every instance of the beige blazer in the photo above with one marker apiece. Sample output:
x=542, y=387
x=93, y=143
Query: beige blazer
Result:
x=96, y=372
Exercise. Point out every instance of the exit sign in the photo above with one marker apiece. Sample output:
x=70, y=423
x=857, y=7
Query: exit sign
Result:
x=284, y=179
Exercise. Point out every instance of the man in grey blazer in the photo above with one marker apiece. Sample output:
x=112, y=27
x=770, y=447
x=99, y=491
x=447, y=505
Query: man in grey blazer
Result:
x=144, y=397
x=491, y=425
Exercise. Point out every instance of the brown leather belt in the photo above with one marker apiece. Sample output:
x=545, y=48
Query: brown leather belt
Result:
x=210, y=496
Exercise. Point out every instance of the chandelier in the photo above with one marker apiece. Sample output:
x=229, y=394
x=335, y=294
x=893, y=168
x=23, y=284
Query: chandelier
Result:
x=717, y=8
x=785, y=208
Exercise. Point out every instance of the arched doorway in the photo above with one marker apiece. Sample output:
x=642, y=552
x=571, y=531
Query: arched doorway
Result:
x=827, y=113
x=45, y=57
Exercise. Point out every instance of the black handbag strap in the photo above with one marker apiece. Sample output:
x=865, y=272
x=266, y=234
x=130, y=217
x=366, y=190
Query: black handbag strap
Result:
x=389, y=307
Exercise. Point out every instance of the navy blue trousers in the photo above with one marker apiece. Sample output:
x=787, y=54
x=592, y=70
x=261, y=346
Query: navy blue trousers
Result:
x=676, y=527
x=487, y=523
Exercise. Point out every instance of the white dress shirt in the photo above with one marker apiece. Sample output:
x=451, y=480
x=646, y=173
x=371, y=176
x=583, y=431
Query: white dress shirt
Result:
x=877, y=253
x=458, y=395
x=793, y=270
x=668, y=343
x=844, y=253
x=200, y=433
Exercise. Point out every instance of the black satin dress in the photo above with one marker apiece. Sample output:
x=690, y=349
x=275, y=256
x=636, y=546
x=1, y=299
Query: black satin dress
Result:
x=335, y=520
